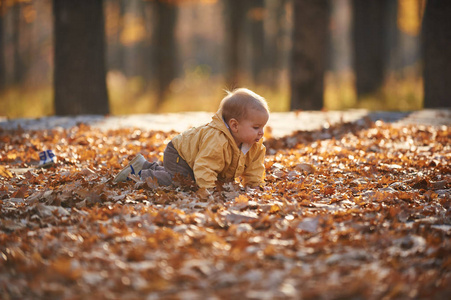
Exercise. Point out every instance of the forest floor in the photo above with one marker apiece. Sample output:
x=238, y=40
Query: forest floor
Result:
x=357, y=205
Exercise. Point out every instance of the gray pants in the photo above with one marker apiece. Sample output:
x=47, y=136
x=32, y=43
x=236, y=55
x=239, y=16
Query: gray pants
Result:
x=172, y=164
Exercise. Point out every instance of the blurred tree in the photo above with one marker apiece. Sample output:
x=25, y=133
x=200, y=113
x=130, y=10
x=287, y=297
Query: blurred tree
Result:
x=2, y=47
x=339, y=52
x=404, y=35
x=146, y=51
x=133, y=35
x=79, y=75
x=274, y=40
x=164, y=45
x=311, y=23
x=19, y=65
x=256, y=15
x=436, y=44
x=235, y=16
x=114, y=13
x=369, y=44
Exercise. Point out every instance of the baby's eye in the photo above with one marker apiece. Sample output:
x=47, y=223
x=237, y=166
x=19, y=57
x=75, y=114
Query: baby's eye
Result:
x=256, y=127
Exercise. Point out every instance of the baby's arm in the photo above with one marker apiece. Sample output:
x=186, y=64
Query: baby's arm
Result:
x=209, y=161
x=254, y=173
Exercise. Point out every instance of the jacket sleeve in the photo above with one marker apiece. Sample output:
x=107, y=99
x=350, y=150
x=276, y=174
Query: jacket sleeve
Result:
x=254, y=172
x=209, y=161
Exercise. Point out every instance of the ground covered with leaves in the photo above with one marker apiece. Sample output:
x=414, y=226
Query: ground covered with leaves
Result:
x=351, y=211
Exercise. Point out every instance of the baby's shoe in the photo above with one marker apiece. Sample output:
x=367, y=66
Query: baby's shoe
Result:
x=47, y=158
x=134, y=167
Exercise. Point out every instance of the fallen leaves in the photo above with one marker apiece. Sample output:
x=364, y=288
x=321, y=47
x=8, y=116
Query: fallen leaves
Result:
x=4, y=172
x=349, y=211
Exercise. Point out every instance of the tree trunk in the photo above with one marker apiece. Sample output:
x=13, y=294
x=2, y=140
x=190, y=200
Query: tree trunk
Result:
x=115, y=57
x=165, y=54
x=311, y=21
x=2, y=47
x=19, y=67
x=235, y=16
x=339, y=53
x=79, y=76
x=257, y=37
x=276, y=16
x=148, y=47
x=436, y=51
x=369, y=44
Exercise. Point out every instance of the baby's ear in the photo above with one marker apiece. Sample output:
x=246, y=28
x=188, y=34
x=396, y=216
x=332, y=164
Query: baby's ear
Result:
x=233, y=124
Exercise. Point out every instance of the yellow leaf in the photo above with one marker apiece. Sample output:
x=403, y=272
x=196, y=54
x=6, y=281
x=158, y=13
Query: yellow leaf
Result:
x=11, y=156
x=5, y=172
x=241, y=199
x=274, y=208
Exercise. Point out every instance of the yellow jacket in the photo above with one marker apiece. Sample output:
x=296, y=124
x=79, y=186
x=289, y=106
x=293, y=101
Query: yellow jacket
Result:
x=212, y=154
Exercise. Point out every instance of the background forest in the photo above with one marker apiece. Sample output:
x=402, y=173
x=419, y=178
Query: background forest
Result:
x=161, y=56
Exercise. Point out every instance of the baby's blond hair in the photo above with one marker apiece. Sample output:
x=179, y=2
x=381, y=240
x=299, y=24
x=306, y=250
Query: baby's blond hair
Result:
x=236, y=104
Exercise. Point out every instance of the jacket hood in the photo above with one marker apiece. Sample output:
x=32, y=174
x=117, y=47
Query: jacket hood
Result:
x=218, y=123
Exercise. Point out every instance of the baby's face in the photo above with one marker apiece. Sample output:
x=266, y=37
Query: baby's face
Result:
x=251, y=129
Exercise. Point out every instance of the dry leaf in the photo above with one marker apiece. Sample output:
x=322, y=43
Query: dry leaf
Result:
x=304, y=167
